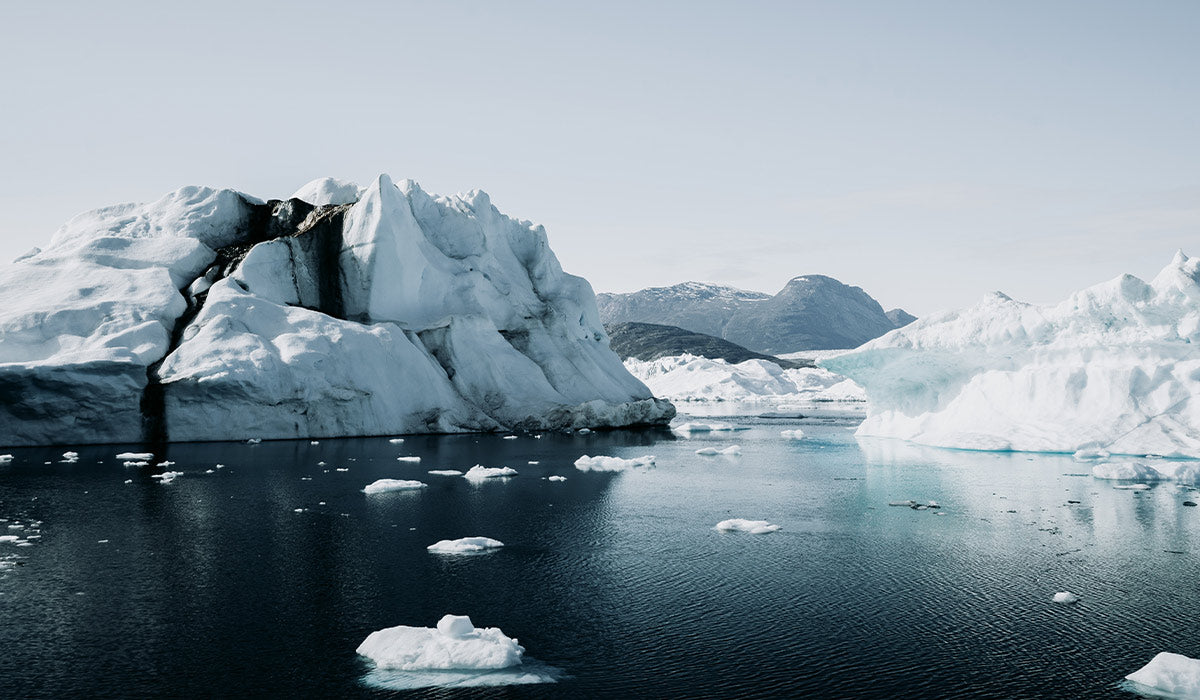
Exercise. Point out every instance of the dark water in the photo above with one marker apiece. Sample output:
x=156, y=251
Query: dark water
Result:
x=214, y=586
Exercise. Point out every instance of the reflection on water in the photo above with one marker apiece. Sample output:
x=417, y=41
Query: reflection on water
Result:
x=262, y=577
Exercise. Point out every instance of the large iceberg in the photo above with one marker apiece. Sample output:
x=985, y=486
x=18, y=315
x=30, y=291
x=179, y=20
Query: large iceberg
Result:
x=211, y=315
x=455, y=644
x=1113, y=368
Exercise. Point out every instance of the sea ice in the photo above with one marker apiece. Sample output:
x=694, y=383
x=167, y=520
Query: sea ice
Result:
x=445, y=472
x=386, y=485
x=5, y=459
x=556, y=478
x=136, y=456
x=602, y=463
x=707, y=427
x=396, y=441
x=1065, y=597
x=166, y=477
x=510, y=437
x=1131, y=471
x=794, y=434
x=1173, y=674
x=731, y=450
x=754, y=527
x=408, y=459
x=481, y=473
x=450, y=646
x=464, y=545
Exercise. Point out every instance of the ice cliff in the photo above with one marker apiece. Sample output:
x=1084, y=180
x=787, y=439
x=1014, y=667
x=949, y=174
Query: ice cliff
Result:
x=1116, y=367
x=211, y=315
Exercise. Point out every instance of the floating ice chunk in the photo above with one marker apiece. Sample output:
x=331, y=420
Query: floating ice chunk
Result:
x=396, y=441
x=602, y=463
x=70, y=457
x=166, y=477
x=1126, y=471
x=314, y=442
x=1132, y=487
x=1065, y=597
x=584, y=431
x=708, y=427
x=534, y=461
x=136, y=456
x=1174, y=674
x=464, y=545
x=795, y=434
x=413, y=460
x=166, y=463
x=253, y=441
x=386, y=485
x=510, y=437
x=556, y=478
x=754, y=527
x=708, y=451
x=445, y=472
x=5, y=459
x=9, y=538
x=141, y=463
x=449, y=647
x=1091, y=453
x=480, y=472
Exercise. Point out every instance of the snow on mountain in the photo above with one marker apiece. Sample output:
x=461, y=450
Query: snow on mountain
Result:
x=211, y=315
x=1115, y=367
x=812, y=312
x=691, y=378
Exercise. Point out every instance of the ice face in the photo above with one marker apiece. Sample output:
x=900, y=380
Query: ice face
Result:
x=1114, y=369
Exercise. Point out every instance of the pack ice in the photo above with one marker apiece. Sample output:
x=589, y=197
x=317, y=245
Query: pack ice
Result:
x=1114, y=368
x=212, y=315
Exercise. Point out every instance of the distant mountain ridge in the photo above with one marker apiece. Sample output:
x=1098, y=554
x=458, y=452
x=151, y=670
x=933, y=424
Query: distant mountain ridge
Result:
x=811, y=312
x=650, y=341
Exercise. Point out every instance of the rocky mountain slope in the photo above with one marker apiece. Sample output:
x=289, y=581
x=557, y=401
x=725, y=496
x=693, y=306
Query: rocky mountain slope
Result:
x=649, y=341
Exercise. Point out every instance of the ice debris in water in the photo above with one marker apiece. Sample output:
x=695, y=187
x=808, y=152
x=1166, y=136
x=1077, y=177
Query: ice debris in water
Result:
x=731, y=450
x=166, y=477
x=455, y=644
x=396, y=441
x=253, y=441
x=1184, y=472
x=445, y=472
x=601, y=463
x=480, y=472
x=414, y=460
x=136, y=456
x=510, y=437
x=754, y=527
x=556, y=478
x=5, y=459
x=70, y=457
x=708, y=427
x=796, y=434
x=386, y=485
x=1065, y=597
x=1173, y=674
x=465, y=545
x=1087, y=453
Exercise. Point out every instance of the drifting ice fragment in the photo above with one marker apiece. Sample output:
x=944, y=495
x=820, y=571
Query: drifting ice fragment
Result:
x=754, y=527
x=1065, y=597
x=708, y=427
x=601, y=463
x=480, y=472
x=796, y=434
x=464, y=545
x=456, y=644
x=386, y=485
x=731, y=450
x=510, y=437
x=445, y=472
x=5, y=459
x=166, y=477
x=556, y=478
x=414, y=460
x=1173, y=674
x=136, y=456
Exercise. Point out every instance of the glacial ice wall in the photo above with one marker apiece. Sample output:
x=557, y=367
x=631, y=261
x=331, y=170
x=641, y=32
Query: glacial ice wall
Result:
x=1114, y=367
x=211, y=315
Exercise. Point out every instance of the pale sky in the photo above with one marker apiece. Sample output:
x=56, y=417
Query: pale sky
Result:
x=928, y=152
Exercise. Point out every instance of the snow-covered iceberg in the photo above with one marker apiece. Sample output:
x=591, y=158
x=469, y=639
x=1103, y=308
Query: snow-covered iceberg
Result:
x=692, y=378
x=1113, y=368
x=212, y=315
x=465, y=545
x=1173, y=675
x=455, y=644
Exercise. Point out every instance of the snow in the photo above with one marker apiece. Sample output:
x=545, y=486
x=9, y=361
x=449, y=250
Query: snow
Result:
x=1065, y=597
x=602, y=463
x=692, y=378
x=464, y=545
x=1173, y=674
x=709, y=451
x=793, y=434
x=437, y=315
x=754, y=527
x=455, y=644
x=388, y=485
x=1112, y=368
x=480, y=472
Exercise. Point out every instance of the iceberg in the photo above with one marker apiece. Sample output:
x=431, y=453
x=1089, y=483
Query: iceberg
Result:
x=455, y=644
x=710, y=451
x=482, y=473
x=343, y=311
x=693, y=378
x=1114, y=368
x=601, y=463
x=464, y=545
x=793, y=434
x=388, y=485
x=1065, y=597
x=1171, y=674
x=445, y=472
x=754, y=527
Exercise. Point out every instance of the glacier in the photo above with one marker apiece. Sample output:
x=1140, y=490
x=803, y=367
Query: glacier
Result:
x=380, y=310
x=692, y=378
x=1114, y=368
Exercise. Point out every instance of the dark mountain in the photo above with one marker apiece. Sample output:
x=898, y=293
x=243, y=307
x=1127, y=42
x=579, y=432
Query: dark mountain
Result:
x=813, y=312
x=650, y=341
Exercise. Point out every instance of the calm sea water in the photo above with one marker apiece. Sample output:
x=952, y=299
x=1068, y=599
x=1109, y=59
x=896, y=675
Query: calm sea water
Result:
x=214, y=585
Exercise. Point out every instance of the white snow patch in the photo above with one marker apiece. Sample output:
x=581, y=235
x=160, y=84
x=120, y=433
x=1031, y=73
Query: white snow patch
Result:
x=464, y=545
x=388, y=485
x=754, y=527
x=328, y=190
x=601, y=463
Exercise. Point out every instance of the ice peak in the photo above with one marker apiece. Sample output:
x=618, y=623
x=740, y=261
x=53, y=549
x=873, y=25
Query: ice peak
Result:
x=328, y=190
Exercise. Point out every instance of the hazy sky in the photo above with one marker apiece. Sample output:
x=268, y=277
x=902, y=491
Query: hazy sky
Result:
x=925, y=151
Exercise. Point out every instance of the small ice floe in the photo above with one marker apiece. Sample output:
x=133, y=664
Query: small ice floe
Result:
x=396, y=441
x=70, y=457
x=129, y=481
x=314, y=442
x=166, y=477
x=136, y=456
x=534, y=461
x=1126, y=471
x=465, y=545
x=708, y=427
x=10, y=538
x=601, y=463
x=137, y=463
x=253, y=441
x=584, y=431
x=1065, y=597
x=166, y=463
x=556, y=478
x=731, y=450
x=219, y=466
x=5, y=459
x=1173, y=675
x=754, y=527
x=342, y=469
x=388, y=485
x=1132, y=487
x=1088, y=453
x=413, y=460
x=482, y=473
x=794, y=434
x=510, y=437
x=445, y=472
